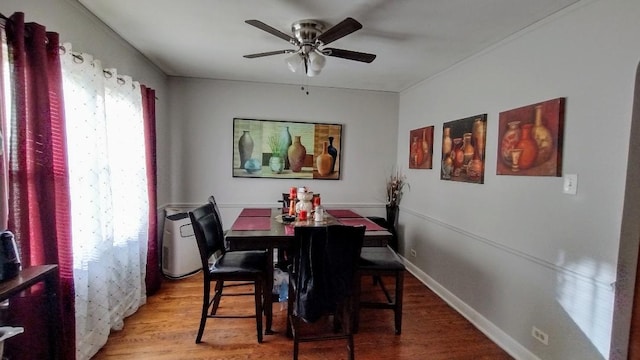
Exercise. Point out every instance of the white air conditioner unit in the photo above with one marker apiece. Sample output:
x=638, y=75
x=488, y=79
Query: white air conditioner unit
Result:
x=180, y=255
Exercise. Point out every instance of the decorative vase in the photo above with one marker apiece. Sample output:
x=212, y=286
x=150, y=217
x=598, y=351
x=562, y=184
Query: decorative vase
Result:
x=276, y=164
x=252, y=166
x=458, y=156
x=447, y=166
x=446, y=141
x=416, y=152
x=543, y=138
x=510, y=138
x=425, y=147
x=515, y=159
x=245, y=147
x=285, y=142
x=323, y=162
x=467, y=149
x=296, y=153
x=475, y=168
x=392, y=217
x=474, y=171
x=479, y=132
x=334, y=154
x=528, y=146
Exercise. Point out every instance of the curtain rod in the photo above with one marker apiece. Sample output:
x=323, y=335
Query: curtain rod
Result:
x=4, y=20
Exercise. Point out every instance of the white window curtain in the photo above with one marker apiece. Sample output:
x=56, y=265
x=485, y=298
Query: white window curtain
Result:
x=109, y=200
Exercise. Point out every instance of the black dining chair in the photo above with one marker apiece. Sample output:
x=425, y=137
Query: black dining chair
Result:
x=219, y=227
x=285, y=203
x=323, y=281
x=380, y=263
x=220, y=265
x=393, y=241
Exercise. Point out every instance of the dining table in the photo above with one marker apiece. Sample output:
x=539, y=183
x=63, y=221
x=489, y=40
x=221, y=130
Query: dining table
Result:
x=265, y=228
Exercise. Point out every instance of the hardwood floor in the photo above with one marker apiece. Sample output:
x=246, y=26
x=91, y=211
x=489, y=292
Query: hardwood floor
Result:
x=166, y=327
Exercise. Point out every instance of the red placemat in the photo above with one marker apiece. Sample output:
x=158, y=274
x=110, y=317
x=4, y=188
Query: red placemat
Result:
x=255, y=212
x=370, y=225
x=343, y=213
x=289, y=229
x=252, y=223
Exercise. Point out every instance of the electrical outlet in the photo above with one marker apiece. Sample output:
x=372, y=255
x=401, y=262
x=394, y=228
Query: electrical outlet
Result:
x=413, y=253
x=540, y=335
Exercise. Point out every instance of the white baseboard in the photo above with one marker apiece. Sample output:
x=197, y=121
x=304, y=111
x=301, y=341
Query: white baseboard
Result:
x=502, y=339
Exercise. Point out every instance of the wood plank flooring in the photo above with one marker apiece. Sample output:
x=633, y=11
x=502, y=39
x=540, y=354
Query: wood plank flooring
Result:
x=166, y=327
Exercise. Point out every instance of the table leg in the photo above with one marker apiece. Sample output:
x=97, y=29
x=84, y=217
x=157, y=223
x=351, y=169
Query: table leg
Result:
x=268, y=298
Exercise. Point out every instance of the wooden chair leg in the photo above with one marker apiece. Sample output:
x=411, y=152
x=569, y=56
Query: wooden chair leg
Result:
x=398, y=300
x=375, y=279
x=205, y=310
x=290, y=309
x=348, y=326
x=350, y=347
x=217, y=296
x=356, y=305
x=268, y=301
x=258, y=300
x=296, y=341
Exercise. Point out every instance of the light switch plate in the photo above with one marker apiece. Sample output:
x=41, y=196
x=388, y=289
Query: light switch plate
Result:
x=570, y=185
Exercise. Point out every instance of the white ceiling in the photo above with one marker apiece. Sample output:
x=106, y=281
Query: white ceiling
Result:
x=413, y=39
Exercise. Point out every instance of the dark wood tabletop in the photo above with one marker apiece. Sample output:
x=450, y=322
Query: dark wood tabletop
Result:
x=280, y=234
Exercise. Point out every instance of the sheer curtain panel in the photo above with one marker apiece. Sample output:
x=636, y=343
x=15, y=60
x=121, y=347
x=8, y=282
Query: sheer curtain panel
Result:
x=109, y=200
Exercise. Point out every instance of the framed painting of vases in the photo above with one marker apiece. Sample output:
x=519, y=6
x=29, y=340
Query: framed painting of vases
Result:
x=463, y=149
x=286, y=149
x=530, y=140
x=421, y=148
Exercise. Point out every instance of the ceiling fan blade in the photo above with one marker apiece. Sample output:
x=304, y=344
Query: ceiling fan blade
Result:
x=273, y=31
x=343, y=28
x=348, y=54
x=269, y=53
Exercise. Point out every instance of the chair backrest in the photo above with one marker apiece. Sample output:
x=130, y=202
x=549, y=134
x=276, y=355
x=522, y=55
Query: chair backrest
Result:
x=325, y=265
x=285, y=202
x=205, y=225
x=216, y=210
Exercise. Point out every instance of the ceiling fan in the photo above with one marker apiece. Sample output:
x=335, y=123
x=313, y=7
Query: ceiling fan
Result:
x=310, y=38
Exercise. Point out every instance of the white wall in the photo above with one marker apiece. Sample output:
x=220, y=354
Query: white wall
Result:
x=202, y=141
x=515, y=252
x=88, y=34
x=511, y=253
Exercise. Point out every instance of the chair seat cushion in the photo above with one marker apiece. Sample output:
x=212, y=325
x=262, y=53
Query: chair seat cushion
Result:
x=382, y=258
x=253, y=261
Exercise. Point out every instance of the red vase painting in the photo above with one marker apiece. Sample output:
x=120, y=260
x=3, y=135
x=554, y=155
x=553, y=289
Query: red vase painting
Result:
x=421, y=148
x=533, y=134
x=528, y=147
x=463, y=149
x=416, y=153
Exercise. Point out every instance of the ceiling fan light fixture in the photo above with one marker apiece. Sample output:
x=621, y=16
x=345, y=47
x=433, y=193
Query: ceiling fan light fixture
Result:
x=309, y=36
x=294, y=62
x=316, y=61
x=311, y=72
